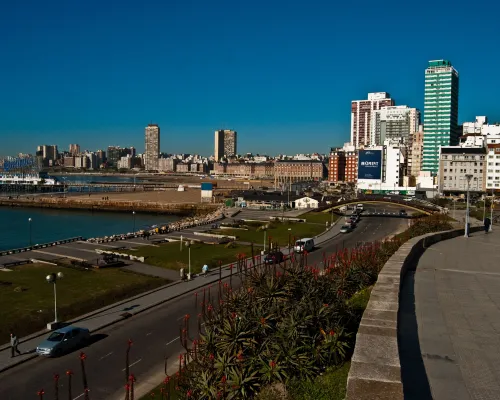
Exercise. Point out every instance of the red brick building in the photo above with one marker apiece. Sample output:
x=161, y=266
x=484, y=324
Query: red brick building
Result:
x=343, y=166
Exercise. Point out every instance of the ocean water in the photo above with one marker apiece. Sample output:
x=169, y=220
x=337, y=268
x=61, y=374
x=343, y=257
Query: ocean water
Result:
x=49, y=225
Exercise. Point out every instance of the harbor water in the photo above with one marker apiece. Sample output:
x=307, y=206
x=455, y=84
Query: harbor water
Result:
x=48, y=225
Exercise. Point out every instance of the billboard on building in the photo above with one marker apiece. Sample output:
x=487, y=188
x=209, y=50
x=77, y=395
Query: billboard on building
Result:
x=370, y=164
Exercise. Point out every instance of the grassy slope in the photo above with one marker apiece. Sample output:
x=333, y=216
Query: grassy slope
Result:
x=170, y=255
x=30, y=298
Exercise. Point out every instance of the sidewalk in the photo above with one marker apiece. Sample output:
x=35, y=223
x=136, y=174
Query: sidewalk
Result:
x=457, y=308
x=114, y=313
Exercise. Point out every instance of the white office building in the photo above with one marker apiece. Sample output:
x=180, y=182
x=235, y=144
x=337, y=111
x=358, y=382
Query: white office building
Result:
x=394, y=123
x=381, y=168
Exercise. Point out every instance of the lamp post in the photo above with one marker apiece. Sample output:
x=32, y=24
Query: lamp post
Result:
x=189, y=244
x=29, y=220
x=52, y=278
x=468, y=177
x=492, y=206
x=133, y=216
x=265, y=237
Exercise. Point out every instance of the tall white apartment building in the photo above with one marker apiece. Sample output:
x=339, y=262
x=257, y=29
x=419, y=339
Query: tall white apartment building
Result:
x=152, y=147
x=225, y=144
x=361, y=117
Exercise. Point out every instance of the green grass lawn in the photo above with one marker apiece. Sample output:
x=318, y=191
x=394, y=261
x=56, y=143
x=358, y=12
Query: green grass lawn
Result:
x=29, y=299
x=278, y=231
x=319, y=217
x=331, y=385
x=170, y=256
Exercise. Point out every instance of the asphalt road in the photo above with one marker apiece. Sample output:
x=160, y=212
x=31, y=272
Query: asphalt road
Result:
x=155, y=336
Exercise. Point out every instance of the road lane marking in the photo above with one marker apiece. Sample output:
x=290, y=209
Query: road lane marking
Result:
x=147, y=334
x=107, y=355
x=131, y=365
x=77, y=397
x=172, y=341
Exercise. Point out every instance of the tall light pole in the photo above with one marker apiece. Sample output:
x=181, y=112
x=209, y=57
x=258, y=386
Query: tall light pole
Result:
x=29, y=221
x=265, y=238
x=468, y=177
x=52, y=278
x=133, y=216
x=492, y=206
x=189, y=244
x=484, y=207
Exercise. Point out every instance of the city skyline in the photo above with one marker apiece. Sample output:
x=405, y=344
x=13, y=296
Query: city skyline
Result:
x=96, y=89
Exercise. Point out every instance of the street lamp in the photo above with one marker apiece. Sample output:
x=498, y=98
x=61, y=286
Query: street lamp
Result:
x=265, y=238
x=189, y=244
x=133, y=216
x=492, y=206
x=29, y=220
x=468, y=177
x=52, y=278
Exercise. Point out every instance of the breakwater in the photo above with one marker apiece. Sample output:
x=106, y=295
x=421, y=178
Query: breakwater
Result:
x=93, y=204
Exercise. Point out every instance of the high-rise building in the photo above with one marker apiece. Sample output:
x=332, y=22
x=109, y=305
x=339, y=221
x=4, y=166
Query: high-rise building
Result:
x=415, y=156
x=440, y=111
x=47, y=155
x=225, y=144
x=361, y=116
x=394, y=123
x=114, y=154
x=101, y=158
x=74, y=149
x=152, y=147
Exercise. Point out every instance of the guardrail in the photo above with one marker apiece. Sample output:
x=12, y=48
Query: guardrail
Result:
x=39, y=246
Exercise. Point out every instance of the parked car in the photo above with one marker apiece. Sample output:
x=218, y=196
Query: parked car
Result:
x=63, y=340
x=301, y=245
x=346, y=228
x=274, y=257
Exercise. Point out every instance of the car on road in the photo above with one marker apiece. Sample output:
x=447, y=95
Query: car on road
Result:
x=63, y=340
x=301, y=245
x=274, y=257
x=403, y=213
x=346, y=228
x=360, y=207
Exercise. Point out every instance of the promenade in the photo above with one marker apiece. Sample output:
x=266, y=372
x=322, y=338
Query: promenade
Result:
x=456, y=289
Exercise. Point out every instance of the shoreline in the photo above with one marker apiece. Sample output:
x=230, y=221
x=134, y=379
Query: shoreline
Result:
x=93, y=205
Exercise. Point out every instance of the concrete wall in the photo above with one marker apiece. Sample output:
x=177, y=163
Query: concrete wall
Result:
x=375, y=367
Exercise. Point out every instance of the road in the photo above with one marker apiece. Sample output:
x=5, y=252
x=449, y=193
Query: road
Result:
x=154, y=334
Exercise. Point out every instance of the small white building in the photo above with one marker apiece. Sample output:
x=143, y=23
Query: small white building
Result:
x=305, y=202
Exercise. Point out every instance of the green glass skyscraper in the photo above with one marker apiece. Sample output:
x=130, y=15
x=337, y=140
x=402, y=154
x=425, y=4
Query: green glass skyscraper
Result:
x=440, y=111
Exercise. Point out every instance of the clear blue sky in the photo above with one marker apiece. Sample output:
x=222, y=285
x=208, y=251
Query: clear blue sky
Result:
x=282, y=73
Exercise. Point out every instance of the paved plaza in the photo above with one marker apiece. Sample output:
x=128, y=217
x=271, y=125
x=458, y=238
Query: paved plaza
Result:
x=456, y=288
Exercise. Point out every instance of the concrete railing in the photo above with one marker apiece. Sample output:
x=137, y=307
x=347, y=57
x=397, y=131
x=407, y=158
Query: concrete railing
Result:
x=40, y=246
x=375, y=366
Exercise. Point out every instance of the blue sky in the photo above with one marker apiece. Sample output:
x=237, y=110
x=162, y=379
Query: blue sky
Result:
x=282, y=73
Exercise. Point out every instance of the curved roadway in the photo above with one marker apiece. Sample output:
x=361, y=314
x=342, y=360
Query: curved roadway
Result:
x=155, y=336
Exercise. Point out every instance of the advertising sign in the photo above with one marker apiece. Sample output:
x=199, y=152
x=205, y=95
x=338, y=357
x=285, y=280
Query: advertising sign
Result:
x=370, y=164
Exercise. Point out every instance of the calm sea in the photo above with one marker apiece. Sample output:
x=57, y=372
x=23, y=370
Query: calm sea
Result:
x=50, y=225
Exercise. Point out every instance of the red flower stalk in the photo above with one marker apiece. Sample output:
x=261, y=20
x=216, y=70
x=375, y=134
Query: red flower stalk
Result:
x=211, y=357
x=83, y=356
x=262, y=321
x=331, y=333
x=189, y=393
x=130, y=342
x=166, y=380
x=272, y=364
x=69, y=372
x=223, y=379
